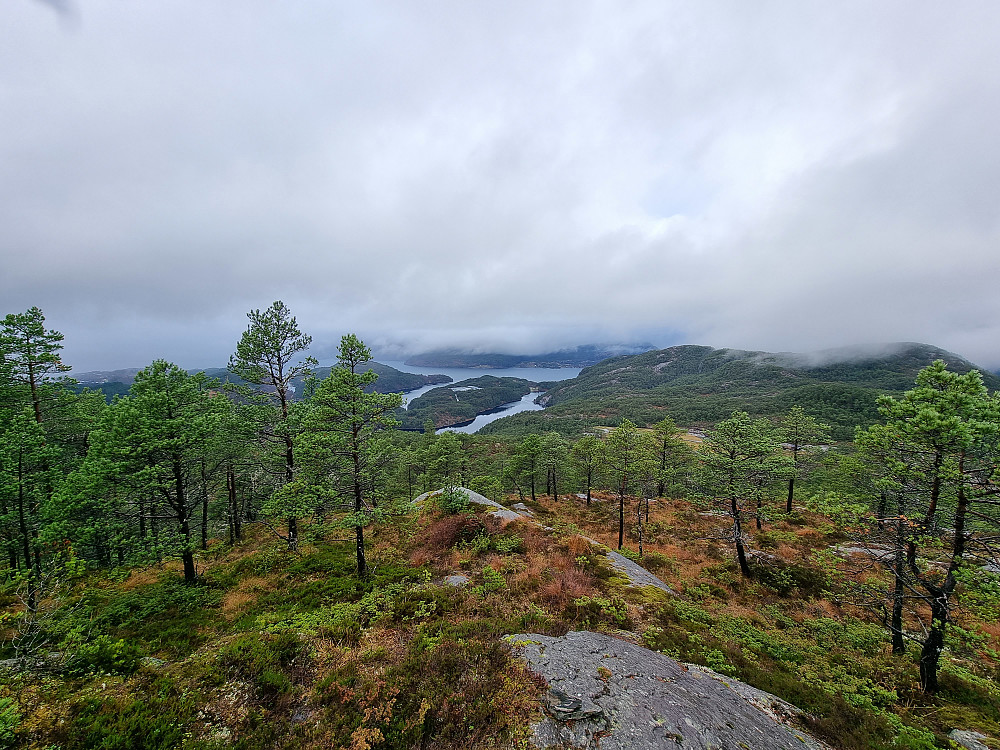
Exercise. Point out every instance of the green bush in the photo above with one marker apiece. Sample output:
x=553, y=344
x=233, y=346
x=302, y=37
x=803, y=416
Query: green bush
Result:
x=596, y=610
x=157, y=721
x=508, y=544
x=105, y=655
x=10, y=719
x=452, y=500
x=261, y=658
x=493, y=580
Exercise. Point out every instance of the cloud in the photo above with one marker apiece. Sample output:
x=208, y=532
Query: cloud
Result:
x=524, y=176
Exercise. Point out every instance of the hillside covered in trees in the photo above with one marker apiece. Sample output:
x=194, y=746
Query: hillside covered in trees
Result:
x=700, y=385
x=206, y=564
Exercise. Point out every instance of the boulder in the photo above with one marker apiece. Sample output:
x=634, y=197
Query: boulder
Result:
x=610, y=694
x=968, y=739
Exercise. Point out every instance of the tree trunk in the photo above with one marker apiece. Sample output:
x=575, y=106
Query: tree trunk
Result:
x=741, y=555
x=621, y=516
x=883, y=503
x=791, y=494
x=26, y=538
x=930, y=654
x=358, y=503
x=190, y=574
x=639, y=525
x=204, y=507
x=899, y=570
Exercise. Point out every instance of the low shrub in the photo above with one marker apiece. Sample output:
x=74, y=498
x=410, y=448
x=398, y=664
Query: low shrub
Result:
x=595, y=610
x=453, y=500
x=10, y=720
x=262, y=658
x=105, y=655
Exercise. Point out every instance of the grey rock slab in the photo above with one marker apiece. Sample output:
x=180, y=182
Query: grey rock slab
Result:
x=610, y=694
x=457, y=579
x=637, y=575
x=968, y=739
x=499, y=511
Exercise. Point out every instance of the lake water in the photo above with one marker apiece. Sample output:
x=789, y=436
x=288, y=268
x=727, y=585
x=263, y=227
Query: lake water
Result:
x=527, y=403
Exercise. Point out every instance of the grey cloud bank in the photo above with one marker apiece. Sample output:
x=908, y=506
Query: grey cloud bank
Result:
x=787, y=176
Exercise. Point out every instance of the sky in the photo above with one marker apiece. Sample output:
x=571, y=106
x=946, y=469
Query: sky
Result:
x=517, y=176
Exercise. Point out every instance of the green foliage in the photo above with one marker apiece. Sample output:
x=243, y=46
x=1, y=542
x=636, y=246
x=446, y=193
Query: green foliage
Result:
x=453, y=500
x=488, y=486
x=266, y=352
x=262, y=659
x=630, y=554
x=168, y=615
x=157, y=721
x=505, y=544
x=104, y=655
x=10, y=719
x=493, y=581
x=597, y=610
x=784, y=577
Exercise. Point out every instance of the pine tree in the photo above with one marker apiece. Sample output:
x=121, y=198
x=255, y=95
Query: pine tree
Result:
x=939, y=455
x=740, y=458
x=344, y=453
x=32, y=353
x=628, y=455
x=798, y=431
x=267, y=355
x=587, y=459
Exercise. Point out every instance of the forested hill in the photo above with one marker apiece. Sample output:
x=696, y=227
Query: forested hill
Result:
x=700, y=384
x=580, y=356
x=390, y=380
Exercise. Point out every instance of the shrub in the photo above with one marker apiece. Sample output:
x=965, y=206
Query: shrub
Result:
x=156, y=722
x=493, y=580
x=453, y=500
x=594, y=610
x=261, y=658
x=10, y=719
x=452, y=530
x=104, y=654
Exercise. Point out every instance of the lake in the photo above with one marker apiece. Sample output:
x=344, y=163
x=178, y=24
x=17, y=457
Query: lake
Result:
x=527, y=403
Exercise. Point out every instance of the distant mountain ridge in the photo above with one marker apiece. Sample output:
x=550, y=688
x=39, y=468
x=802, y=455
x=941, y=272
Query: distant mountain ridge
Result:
x=580, y=356
x=390, y=380
x=700, y=385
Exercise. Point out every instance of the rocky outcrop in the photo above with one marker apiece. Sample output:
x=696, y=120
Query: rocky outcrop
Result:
x=637, y=575
x=610, y=694
x=968, y=739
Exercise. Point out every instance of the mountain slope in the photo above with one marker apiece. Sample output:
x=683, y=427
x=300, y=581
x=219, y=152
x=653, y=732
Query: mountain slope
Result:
x=580, y=356
x=700, y=384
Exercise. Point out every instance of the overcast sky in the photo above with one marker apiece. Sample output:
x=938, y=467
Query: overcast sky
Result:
x=514, y=176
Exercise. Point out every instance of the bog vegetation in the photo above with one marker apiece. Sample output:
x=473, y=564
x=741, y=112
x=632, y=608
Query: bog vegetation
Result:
x=201, y=564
